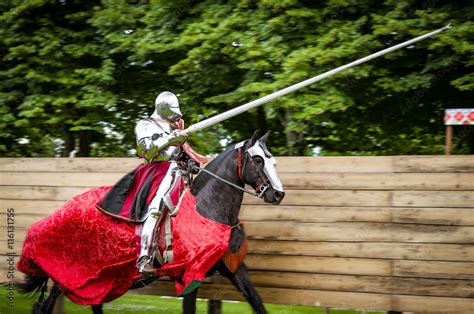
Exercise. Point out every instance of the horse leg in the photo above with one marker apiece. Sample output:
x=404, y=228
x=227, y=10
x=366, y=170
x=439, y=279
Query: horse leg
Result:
x=97, y=309
x=46, y=306
x=241, y=280
x=189, y=302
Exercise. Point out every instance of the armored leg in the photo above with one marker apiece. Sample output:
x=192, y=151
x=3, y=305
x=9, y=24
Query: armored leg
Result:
x=155, y=214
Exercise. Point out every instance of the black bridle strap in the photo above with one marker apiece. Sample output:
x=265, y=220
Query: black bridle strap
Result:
x=240, y=170
x=240, y=167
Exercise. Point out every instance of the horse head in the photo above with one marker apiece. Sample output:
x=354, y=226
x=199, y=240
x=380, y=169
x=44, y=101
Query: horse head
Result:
x=258, y=169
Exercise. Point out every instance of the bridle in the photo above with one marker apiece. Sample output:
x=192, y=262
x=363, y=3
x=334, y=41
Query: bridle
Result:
x=259, y=191
x=262, y=187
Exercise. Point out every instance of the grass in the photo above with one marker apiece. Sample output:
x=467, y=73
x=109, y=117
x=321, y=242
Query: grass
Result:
x=141, y=304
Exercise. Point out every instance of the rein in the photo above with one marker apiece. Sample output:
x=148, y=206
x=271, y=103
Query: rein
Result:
x=240, y=169
x=227, y=182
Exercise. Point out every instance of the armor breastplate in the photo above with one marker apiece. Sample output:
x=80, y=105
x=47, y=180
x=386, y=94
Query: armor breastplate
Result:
x=153, y=140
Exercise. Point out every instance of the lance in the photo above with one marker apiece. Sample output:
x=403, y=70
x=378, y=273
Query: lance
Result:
x=255, y=103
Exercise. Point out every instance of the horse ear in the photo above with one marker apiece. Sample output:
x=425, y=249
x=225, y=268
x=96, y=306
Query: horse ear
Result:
x=264, y=138
x=255, y=137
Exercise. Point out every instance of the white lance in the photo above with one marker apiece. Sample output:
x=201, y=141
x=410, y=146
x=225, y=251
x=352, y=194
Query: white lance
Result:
x=255, y=103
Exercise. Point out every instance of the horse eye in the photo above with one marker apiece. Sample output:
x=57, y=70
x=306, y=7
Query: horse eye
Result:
x=258, y=160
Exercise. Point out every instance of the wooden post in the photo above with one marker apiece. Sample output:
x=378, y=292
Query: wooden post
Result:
x=214, y=307
x=326, y=310
x=449, y=139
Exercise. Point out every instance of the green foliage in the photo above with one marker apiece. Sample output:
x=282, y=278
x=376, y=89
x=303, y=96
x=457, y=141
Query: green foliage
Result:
x=88, y=70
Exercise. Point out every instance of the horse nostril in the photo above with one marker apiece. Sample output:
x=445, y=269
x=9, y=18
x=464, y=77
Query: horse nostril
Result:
x=279, y=195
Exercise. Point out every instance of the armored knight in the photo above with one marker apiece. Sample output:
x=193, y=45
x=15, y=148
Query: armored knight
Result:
x=159, y=140
x=144, y=194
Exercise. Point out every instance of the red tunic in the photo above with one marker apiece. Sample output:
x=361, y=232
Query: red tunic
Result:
x=130, y=197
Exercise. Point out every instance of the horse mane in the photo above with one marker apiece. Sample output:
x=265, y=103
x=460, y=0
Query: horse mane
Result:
x=202, y=178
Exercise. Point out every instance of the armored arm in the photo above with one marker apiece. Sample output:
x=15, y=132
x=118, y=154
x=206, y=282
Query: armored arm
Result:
x=155, y=143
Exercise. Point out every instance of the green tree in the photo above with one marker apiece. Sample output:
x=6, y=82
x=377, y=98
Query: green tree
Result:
x=233, y=52
x=56, y=77
x=90, y=69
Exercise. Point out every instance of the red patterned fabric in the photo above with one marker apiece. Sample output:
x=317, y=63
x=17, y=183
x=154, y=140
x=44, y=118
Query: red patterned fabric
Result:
x=198, y=243
x=83, y=250
x=92, y=255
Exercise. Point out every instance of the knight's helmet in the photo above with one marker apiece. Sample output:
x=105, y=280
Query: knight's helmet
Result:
x=167, y=107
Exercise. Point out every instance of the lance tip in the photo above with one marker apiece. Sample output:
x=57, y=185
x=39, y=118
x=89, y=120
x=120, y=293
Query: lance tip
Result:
x=447, y=27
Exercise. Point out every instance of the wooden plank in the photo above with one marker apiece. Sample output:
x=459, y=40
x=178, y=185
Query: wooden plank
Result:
x=294, y=197
x=378, y=181
x=434, y=163
x=344, y=232
x=359, y=266
x=40, y=193
x=457, y=270
x=351, y=266
x=305, y=264
x=358, y=231
x=369, y=301
x=26, y=207
x=441, y=216
x=341, y=164
x=59, y=178
x=28, y=164
x=319, y=264
x=380, y=250
x=328, y=198
x=124, y=165
x=89, y=164
x=433, y=198
x=304, y=283
x=5, y=249
x=19, y=234
x=329, y=282
x=20, y=221
x=349, y=283
x=5, y=261
x=303, y=181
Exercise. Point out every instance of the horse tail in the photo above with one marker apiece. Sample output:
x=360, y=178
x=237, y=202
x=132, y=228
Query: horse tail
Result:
x=39, y=284
x=32, y=283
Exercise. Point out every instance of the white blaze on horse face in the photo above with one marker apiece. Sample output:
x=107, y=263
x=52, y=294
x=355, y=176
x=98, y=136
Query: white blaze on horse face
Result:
x=260, y=149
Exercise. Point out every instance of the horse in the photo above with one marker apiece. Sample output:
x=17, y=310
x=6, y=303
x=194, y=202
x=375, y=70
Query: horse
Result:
x=218, y=190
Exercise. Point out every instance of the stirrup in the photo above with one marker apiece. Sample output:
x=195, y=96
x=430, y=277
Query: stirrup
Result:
x=145, y=265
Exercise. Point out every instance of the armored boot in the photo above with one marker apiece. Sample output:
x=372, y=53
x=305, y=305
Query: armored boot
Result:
x=148, y=245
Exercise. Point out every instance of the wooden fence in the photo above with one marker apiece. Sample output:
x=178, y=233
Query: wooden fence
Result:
x=375, y=233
